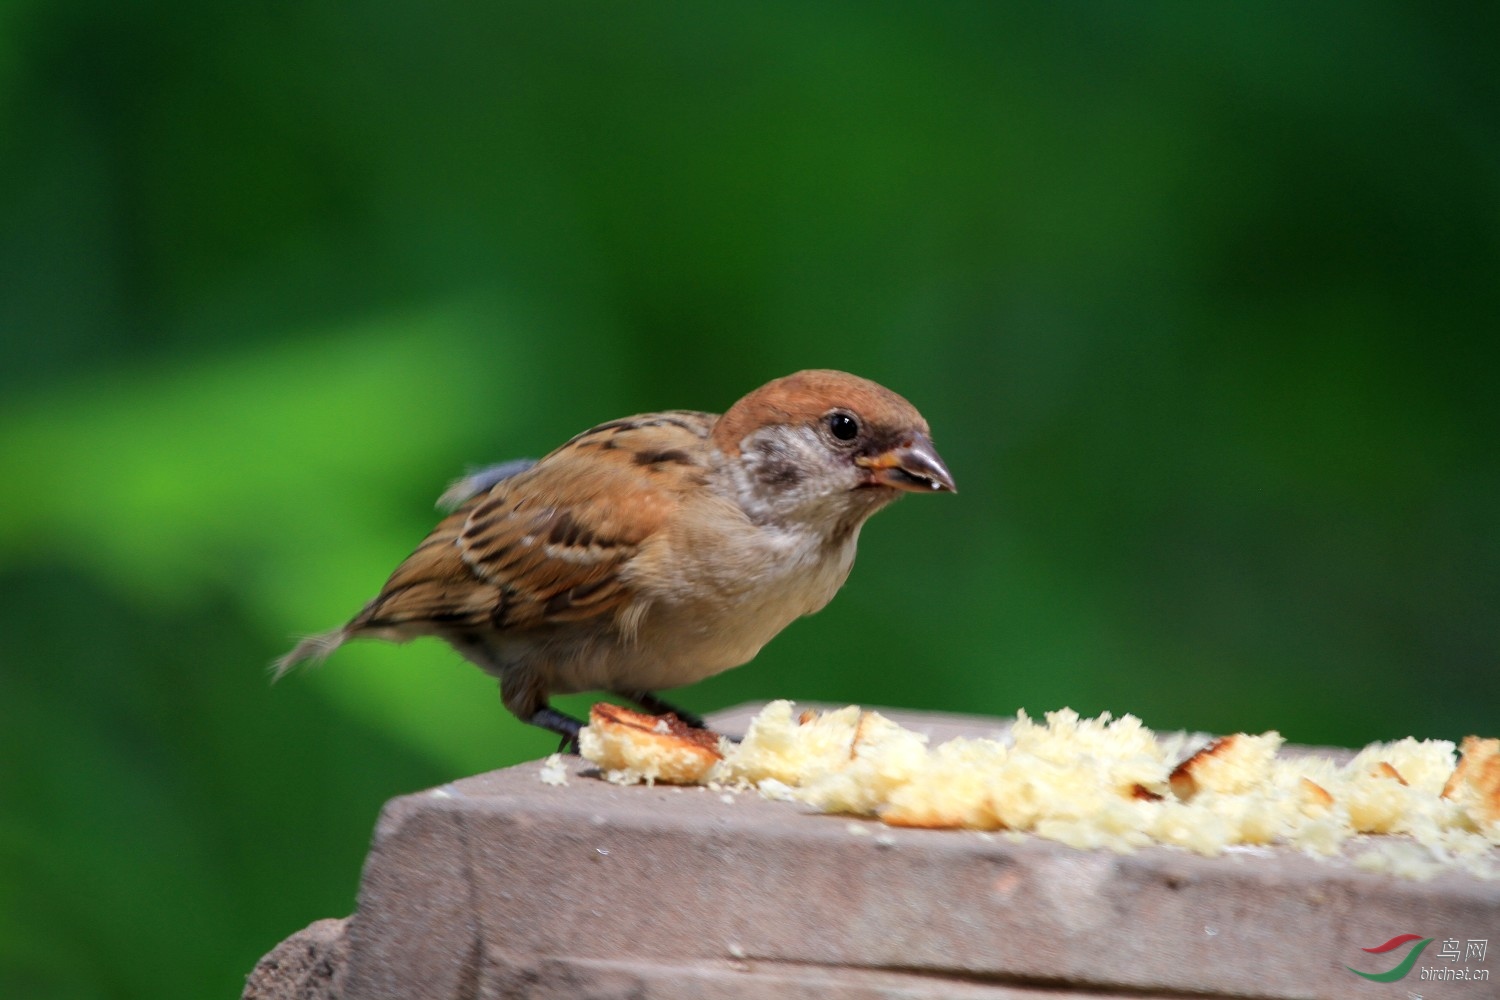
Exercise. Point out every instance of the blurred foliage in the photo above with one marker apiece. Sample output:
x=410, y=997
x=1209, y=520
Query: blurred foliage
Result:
x=1199, y=300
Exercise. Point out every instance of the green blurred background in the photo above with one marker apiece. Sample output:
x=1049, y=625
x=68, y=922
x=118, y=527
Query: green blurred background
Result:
x=1199, y=299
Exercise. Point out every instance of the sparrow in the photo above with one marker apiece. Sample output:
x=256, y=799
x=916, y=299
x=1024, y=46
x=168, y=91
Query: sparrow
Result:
x=656, y=550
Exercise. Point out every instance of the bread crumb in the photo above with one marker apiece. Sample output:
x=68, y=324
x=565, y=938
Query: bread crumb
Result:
x=777, y=791
x=1315, y=798
x=554, y=770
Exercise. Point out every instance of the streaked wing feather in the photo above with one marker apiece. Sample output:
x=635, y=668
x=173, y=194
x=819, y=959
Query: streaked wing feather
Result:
x=432, y=586
x=548, y=544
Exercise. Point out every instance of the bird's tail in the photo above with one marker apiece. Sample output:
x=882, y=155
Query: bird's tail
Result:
x=314, y=648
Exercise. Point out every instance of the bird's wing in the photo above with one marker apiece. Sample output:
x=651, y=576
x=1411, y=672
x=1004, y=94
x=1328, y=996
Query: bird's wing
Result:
x=548, y=544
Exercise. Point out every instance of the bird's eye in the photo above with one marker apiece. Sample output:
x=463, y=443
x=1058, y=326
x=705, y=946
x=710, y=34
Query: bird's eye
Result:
x=843, y=426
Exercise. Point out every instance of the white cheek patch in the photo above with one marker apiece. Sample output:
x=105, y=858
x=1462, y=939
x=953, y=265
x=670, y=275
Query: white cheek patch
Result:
x=785, y=472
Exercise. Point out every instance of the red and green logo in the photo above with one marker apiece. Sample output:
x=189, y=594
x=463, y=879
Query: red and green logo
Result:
x=1400, y=971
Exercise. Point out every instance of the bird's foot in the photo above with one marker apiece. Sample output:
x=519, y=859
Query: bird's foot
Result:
x=656, y=706
x=566, y=726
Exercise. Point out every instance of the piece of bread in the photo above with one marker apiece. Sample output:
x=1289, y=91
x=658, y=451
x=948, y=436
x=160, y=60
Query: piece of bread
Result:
x=1229, y=765
x=1475, y=783
x=632, y=747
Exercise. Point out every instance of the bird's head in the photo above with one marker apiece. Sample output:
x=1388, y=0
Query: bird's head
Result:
x=827, y=446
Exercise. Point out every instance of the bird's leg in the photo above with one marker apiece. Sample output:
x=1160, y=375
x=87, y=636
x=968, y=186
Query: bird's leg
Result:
x=651, y=703
x=526, y=699
x=554, y=721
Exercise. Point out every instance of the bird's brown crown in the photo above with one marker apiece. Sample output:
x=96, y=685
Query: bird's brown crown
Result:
x=804, y=397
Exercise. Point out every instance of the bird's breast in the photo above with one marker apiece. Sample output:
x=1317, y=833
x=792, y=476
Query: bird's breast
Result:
x=721, y=603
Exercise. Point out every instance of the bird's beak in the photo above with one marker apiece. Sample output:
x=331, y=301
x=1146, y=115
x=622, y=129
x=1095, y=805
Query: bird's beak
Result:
x=913, y=466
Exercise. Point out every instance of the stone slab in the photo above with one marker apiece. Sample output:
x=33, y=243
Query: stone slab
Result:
x=309, y=965
x=502, y=886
